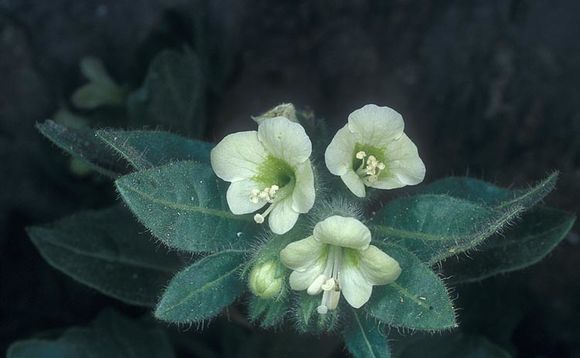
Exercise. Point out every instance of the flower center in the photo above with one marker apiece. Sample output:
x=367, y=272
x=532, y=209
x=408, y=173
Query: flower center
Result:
x=278, y=179
x=370, y=167
x=328, y=281
x=274, y=171
x=268, y=195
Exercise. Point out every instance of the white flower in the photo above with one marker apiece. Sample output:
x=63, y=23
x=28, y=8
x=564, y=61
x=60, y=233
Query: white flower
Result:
x=338, y=258
x=270, y=166
x=372, y=150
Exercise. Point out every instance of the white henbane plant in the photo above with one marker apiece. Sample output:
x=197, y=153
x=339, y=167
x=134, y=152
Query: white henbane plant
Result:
x=324, y=239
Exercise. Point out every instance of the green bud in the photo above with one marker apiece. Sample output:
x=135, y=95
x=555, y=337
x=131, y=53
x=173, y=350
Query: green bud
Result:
x=101, y=90
x=265, y=280
x=282, y=110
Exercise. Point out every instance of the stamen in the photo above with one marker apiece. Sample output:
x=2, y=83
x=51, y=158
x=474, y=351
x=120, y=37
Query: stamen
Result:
x=259, y=218
x=330, y=286
x=369, y=168
x=317, y=285
x=267, y=194
x=333, y=298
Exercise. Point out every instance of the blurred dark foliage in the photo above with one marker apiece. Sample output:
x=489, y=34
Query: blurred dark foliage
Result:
x=488, y=88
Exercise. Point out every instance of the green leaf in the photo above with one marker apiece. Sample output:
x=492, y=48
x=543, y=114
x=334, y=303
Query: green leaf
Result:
x=173, y=94
x=481, y=192
x=452, y=346
x=418, y=299
x=450, y=218
x=184, y=205
x=307, y=318
x=109, y=336
x=539, y=231
x=268, y=312
x=107, y=250
x=203, y=289
x=363, y=338
x=116, y=152
x=148, y=149
x=82, y=144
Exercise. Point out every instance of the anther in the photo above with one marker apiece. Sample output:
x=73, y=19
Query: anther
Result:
x=259, y=218
x=329, y=285
x=361, y=155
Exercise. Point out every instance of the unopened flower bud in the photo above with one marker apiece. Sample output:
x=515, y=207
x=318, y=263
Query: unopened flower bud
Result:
x=265, y=280
x=282, y=110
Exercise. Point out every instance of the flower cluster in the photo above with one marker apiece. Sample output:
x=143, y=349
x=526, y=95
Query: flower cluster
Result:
x=271, y=168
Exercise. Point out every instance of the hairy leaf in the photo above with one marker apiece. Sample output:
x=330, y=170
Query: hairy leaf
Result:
x=109, y=336
x=108, y=251
x=117, y=152
x=268, y=312
x=418, y=299
x=482, y=192
x=82, y=143
x=148, y=149
x=539, y=231
x=363, y=337
x=184, y=205
x=443, y=222
x=203, y=289
x=307, y=318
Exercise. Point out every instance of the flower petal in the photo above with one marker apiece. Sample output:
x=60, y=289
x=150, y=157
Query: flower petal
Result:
x=375, y=125
x=343, y=231
x=238, y=156
x=302, y=280
x=283, y=217
x=300, y=255
x=238, y=197
x=339, y=153
x=355, y=288
x=403, y=165
x=303, y=195
x=285, y=140
x=378, y=267
x=354, y=183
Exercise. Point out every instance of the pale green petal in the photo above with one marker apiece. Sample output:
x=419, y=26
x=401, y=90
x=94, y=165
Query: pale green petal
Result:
x=354, y=183
x=301, y=280
x=343, y=231
x=340, y=151
x=283, y=217
x=285, y=140
x=301, y=254
x=403, y=165
x=238, y=156
x=303, y=195
x=355, y=288
x=238, y=197
x=378, y=267
x=376, y=126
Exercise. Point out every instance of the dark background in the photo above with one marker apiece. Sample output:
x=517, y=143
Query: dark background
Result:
x=487, y=88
